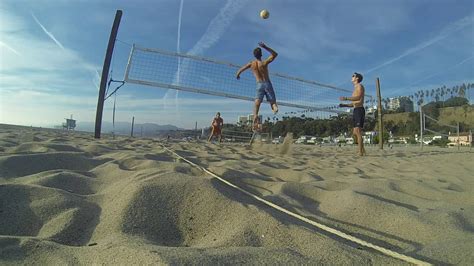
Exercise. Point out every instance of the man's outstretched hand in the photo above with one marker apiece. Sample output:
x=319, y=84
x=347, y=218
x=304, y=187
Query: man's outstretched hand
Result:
x=262, y=44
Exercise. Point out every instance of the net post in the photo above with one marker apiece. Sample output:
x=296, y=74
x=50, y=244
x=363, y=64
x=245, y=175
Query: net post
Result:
x=105, y=74
x=252, y=138
x=133, y=122
x=422, y=125
x=127, y=71
x=470, y=140
x=459, y=140
x=379, y=111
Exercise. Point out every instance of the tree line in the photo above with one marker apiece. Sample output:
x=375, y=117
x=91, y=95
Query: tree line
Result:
x=342, y=122
x=439, y=94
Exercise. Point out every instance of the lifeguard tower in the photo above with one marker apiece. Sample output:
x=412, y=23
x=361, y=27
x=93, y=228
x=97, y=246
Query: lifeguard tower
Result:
x=70, y=124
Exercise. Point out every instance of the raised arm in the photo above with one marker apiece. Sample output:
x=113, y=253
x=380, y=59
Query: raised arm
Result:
x=242, y=69
x=272, y=52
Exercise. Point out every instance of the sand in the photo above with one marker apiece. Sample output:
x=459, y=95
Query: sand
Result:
x=66, y=198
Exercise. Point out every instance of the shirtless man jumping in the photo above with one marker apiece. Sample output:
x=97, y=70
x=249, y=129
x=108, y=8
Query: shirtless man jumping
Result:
x=264, y=85
x=357, y=100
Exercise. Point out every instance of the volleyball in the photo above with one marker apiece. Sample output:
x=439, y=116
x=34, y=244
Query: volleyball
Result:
x=264, y=14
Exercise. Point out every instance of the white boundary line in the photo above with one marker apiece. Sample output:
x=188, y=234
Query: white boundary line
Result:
x=323, y=227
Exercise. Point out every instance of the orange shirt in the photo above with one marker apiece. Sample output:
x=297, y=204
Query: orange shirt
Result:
x=217, y=122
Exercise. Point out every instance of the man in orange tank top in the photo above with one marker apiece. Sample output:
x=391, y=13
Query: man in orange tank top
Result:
x=216, y=127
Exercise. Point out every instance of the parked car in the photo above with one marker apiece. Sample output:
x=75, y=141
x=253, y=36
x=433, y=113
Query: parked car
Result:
x=277, y=140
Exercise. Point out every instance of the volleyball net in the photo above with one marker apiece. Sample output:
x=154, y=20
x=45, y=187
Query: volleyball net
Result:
x=245, y=137
x=436, y=127
x=169, y=70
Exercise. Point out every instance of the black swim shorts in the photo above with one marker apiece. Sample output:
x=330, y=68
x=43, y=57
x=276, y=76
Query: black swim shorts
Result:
x=358, y=117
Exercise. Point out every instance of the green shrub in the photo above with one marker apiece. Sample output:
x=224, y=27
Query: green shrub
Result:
x=440, y=142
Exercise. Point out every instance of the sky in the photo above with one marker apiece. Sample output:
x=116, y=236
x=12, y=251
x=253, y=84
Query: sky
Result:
x=52, y=51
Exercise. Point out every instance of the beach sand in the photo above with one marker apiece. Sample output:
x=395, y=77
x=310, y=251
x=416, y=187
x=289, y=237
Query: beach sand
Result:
x=66, y=198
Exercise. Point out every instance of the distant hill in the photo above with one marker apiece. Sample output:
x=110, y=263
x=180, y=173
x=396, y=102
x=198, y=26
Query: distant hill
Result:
x=124, y=128
x=448, y=115
x=463, y=114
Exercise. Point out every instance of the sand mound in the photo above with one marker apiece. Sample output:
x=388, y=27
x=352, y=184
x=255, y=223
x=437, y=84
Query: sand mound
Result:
x=189, y=212
x=21, y=165
x=72, y=182
x=47, y=213
x=66, y=198
x=36, y=147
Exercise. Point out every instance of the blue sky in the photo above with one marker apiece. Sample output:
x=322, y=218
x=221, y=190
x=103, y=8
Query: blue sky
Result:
x=52, y=51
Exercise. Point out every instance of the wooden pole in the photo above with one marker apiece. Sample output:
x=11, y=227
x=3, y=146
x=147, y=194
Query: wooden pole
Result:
x=422, y=126
x=196, y=130
x=379, y=112
x=470, y=139
x=133, y=122
x=459, y=140
x=105, y=73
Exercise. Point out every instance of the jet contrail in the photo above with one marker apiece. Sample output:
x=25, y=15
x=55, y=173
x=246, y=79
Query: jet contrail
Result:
x=84, y=64
x=218, y=26
x=178, y=49
x=174, y=93
x=444, y=70
x=448, y=30
x=96, y=80
x=9, y=48
x=47, y=32
x=213, y=33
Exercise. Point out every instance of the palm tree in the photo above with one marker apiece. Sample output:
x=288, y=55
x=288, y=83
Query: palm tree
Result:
x=442, y=93
x=456, y=89
x=462, y=90
x=468, y=87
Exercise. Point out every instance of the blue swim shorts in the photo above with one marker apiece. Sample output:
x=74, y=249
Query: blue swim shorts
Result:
x=265, y=88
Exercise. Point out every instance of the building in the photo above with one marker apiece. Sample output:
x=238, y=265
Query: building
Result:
x=70, y=124
x=463, y=139
x=246, y=120
x=242, y=120
x=403, y=104
x=371, y=109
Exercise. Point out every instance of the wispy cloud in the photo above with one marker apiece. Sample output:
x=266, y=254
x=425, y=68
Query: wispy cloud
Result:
x=218, y=26
x=443, y=71
x=445, y=32
x=95, y=79
x=213, y=33
x=47, y=32
x=9, y=48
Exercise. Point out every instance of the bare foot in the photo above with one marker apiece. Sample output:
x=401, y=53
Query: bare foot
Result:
x=275, y=108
